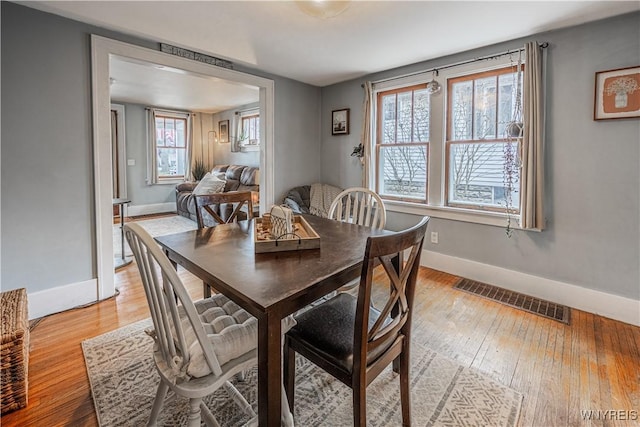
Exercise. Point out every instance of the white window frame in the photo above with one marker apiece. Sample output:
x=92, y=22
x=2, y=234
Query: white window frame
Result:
x=152, y=175
x=240, y=115
x=436, y=197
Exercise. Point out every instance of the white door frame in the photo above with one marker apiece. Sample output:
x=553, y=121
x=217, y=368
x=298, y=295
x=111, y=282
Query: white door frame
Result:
x=101, y=51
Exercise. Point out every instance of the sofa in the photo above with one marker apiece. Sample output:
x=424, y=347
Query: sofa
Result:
x=237, y=177
x=311, y=199
x=298, y=199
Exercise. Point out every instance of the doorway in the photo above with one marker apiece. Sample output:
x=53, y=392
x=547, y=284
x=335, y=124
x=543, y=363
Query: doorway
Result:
x=102, y=50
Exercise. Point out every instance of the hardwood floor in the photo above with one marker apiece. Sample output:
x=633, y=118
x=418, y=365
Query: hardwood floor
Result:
x=592, y=364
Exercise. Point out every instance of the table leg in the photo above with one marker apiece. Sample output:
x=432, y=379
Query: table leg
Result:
x=270, y=370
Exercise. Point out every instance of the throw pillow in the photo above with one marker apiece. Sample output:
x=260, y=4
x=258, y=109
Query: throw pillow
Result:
x=209, y=184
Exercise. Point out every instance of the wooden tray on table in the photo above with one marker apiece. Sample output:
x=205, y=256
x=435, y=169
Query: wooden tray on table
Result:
x=305, y=238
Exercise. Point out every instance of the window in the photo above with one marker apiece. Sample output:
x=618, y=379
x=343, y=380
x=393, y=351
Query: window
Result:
x=171, y=147
x=402, y=143
x=169, y=142
x=478, y=149
x=251, y=129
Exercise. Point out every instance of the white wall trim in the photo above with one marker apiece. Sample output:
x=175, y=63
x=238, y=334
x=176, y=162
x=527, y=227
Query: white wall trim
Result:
x=61, y=298
x=608, y=305
x=135, y=210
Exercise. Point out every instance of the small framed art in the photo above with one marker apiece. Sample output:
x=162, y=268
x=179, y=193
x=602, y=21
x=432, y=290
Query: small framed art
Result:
x=223, y=131
x=340, y=122
x=617, y=94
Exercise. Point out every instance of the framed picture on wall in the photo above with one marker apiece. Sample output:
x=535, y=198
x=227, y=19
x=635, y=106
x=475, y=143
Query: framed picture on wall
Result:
x=223, y=131
x=340, y=122
x=617, y=94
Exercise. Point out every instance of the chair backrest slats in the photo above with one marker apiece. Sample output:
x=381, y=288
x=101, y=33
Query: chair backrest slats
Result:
x=395, y=317
x=360, y=206
x=169, y=303
x=237, y=198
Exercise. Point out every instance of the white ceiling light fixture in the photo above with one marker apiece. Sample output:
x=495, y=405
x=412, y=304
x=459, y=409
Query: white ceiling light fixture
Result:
x=323, y=9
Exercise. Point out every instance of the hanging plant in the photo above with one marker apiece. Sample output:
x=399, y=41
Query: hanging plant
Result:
x=358, y=151
x=514, y=130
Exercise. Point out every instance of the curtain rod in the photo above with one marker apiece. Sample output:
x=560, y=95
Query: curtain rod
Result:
x=166, y=110
x=543, y=45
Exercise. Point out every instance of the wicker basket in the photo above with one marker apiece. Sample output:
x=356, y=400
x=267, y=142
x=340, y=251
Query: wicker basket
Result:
x=14, y=353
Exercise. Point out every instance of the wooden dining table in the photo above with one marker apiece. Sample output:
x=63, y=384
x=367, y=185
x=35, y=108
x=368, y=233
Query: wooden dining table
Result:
x=270, y=286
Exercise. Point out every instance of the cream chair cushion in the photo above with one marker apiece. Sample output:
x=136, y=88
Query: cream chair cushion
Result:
x=230, y=329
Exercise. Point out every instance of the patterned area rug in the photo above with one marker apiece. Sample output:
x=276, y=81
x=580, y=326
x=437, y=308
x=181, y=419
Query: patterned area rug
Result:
x=156, y=227
x=124, y=381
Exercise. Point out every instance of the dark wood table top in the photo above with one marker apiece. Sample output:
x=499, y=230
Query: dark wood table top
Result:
x=281, y=282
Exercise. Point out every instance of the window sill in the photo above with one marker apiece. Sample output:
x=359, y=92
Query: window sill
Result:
x=456, y=214
x=169, y=181
x=247, y=148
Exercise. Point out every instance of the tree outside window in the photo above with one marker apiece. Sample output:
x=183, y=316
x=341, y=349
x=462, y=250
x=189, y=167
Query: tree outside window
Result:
x=402, y=143
x=171, y=147
x=479, y=150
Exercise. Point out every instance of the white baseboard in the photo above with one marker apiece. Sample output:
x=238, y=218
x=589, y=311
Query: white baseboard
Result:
x=135, y=210
x=608, y=305
x=61, y=298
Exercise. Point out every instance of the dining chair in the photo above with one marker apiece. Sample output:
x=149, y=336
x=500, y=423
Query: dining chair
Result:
x=350, y=339
x=237, y=198
x=198, y=346
x=358, y=205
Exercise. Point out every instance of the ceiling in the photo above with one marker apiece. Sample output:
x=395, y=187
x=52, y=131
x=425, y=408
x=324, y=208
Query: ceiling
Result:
x=160, y=86
x=369, y=36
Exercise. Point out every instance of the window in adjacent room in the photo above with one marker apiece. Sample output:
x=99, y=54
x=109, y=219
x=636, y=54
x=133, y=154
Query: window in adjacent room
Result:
x=479, y=108
x=251, y=129
x=402, y=143
x=169, y=145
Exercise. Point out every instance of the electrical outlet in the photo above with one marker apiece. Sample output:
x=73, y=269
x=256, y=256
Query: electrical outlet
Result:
x=434, y=237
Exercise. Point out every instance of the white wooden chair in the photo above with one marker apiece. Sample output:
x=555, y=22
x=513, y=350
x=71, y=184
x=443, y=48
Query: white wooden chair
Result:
x=358, y=205
x=198, y=346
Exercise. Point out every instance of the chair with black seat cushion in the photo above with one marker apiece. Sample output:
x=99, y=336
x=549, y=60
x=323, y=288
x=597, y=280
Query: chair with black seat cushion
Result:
x=350, y=339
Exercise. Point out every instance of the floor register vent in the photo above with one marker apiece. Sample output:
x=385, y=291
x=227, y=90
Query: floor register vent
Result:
x=533, y=305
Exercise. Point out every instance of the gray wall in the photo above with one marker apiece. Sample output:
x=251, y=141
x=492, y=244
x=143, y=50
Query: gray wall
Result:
x=592, y=200
x=48, y=219
x=222, y=154
x=136, y=139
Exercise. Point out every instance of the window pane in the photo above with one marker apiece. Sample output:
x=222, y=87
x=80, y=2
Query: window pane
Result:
x=507, y=101
x=405, y=113
x=171, y=162
x=485, y=108
x=257, y=128
x=388, y=119
x=403, y=171
x=159, y=131
x=421, y=116
x=169, y=133
x=181, y=140
x=461, y=110
x=477, y=174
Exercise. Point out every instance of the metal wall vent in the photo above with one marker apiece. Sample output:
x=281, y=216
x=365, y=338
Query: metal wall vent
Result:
x=533, y=305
